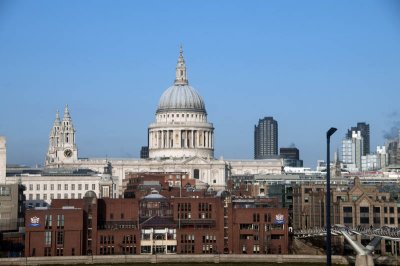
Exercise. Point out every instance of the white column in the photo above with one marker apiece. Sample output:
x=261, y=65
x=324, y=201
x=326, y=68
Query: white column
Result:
x=3, y=159
x=168, y=143
x=156, y=142
x=186, y=138
x=212, y=139
x=197, y=138
x=192, y=139
x=161, y=139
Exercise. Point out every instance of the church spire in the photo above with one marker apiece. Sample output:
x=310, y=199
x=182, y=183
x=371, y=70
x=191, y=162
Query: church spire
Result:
x=57, y=121
x=66, y=113
x=181, y=77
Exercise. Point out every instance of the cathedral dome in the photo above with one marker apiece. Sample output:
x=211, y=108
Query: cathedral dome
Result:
x=181, y=98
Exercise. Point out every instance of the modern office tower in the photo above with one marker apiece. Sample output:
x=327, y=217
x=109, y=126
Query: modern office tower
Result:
x=370, y=162
x=364, y=129
x=352, y=150
x=289, y=153
x=393, y=151
x=144, y=152
x=291, y=157
x=347, y=152
x=266, y=138
x=382, y=156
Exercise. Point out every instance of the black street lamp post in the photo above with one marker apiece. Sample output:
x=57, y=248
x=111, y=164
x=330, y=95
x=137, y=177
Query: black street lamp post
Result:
x=329, y=133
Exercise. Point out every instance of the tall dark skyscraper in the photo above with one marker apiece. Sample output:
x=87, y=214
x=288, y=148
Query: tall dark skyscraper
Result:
x=364, y=129
x=266, y=138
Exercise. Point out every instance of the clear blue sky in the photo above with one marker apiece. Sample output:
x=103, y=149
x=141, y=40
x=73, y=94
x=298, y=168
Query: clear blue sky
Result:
x=309, y=64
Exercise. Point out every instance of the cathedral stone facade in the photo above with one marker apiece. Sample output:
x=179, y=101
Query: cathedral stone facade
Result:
x=180, y=140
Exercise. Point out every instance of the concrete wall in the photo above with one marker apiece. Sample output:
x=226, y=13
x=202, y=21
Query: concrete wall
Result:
x=172, y=259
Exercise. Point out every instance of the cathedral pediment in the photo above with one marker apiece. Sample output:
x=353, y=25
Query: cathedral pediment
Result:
x=196, y=160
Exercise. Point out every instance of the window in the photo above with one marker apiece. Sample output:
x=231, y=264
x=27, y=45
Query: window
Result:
x=58, y=186
x=275, y=237
x=196, y=173
x=30, y=197
x=60, y=221
x=391, y=209
x=72, y=195
x=44, y=196
x=48, y=222
x=348, y=220
x=37, y=196
x=60, y=252
x=30, y=187
x=79, y=186
x=256, y=249
x=38, y=187
x=65, y=195
x=348, y=209
x=58, y=195
x=73, y=187
x=60, y=238
x=93, y=186
x=47, y=238
x=65, y=186
x=86, y=186
x=79, y=195
x=47, y=251
x=256, y=217
x=52, y=187
x=51, y=196
x=45, y=187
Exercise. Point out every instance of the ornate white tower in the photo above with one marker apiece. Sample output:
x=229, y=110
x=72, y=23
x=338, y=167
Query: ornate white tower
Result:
x=62, y=146
x=181, y=128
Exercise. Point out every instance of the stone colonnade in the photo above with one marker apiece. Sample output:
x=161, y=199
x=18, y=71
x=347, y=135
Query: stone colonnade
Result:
x=181, y=138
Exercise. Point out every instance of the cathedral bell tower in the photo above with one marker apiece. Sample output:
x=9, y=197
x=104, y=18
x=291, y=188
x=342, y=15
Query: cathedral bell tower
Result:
x=62, y=146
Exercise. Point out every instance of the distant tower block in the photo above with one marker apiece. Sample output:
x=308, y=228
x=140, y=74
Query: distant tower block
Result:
x=3, y=159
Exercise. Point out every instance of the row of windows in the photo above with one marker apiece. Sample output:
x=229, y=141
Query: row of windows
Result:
x=48, y=221
x=107, y=239
x=54, y=196
x=106, y=250
x=366, y=220
x=181, y=115
x=59, y=251
x=60, y=186
x=267, y=217
x=349, y=209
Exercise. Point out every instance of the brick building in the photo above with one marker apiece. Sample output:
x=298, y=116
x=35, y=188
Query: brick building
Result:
x=169, y=221
x=356, y=205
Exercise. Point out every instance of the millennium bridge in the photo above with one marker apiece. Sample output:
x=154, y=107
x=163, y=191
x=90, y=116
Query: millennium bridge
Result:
x=364, y=253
